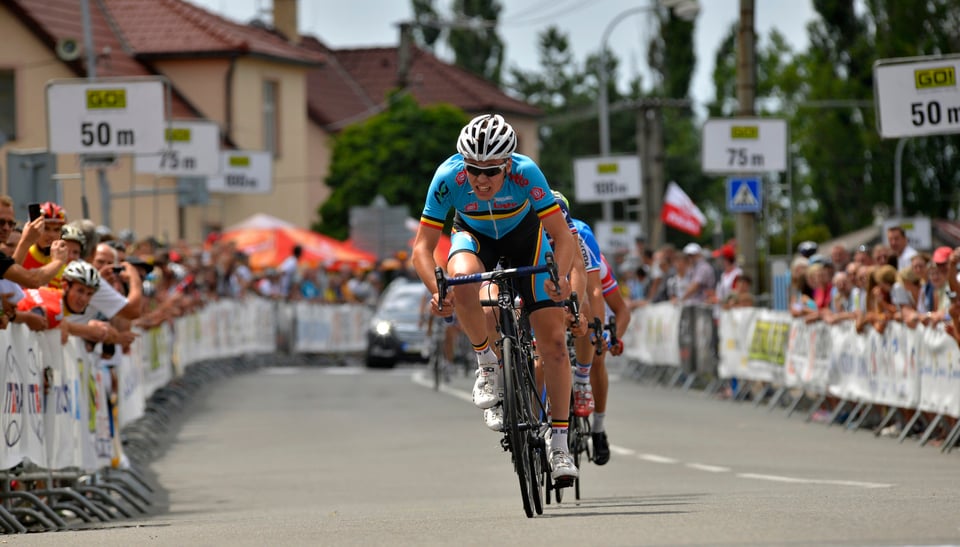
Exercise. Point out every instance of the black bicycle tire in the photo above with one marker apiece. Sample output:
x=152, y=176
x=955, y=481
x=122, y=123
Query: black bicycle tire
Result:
x=511, y=421
x=535, y=446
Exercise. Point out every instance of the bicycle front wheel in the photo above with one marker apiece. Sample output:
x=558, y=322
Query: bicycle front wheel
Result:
x=514, y=420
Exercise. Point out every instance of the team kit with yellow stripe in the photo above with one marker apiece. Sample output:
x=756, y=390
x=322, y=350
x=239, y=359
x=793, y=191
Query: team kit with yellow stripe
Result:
x=511, y=218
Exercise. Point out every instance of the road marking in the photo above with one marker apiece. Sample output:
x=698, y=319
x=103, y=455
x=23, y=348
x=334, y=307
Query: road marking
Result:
x=656, y=459
x=796, y=480
x=424, y=379
x=421, y=378
x=280, y=371
x=708, y=468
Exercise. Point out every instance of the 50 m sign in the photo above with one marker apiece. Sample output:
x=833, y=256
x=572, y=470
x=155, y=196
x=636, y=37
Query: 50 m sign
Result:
x=106, y=116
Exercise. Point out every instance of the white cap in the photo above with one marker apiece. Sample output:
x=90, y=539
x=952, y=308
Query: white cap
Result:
x=693, y=249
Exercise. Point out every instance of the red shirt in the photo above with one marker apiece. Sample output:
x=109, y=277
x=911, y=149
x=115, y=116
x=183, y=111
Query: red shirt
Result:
x=45, y=299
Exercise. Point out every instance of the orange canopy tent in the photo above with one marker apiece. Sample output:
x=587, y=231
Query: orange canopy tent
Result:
x=267, y=241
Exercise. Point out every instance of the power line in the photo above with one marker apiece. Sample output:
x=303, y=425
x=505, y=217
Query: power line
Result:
x=544, y=18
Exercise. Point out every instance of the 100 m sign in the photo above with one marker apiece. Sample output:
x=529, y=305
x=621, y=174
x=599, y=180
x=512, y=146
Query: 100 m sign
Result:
x=102, y=134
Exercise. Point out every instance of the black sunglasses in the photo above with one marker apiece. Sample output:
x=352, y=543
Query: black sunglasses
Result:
x=476, y=170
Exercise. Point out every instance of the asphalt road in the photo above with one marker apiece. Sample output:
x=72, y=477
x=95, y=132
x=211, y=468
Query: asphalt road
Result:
x=343, y=456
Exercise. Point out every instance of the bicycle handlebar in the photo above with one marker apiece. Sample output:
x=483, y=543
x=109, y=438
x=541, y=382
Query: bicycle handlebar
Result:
x=443, y=282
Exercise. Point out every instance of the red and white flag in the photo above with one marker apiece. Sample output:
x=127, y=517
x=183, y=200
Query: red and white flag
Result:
x=680, y=212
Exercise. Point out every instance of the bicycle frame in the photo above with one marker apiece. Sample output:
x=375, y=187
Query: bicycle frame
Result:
x=524, y=415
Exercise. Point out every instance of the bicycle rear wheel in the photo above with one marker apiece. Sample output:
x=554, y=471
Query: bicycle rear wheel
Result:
x=514, y=420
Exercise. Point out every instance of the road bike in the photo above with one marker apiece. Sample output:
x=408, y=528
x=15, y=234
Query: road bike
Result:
x=525, y=422
x=439, y=368
x=579, y=432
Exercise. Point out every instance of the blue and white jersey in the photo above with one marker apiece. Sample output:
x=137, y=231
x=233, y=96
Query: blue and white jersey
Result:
x=589, y=247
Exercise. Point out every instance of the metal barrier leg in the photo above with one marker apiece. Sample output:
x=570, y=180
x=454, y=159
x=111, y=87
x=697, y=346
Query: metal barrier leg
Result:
x=675, y=378
x=689, y=382
x=765, y=389
x=10, y=522
x=934, y=424
x=775, y=399
x=82, y=501
x=890, y=415
x=816, y=406
x=853, y=414
x=836, y=412
x=105, y=498
x=136, y=475
x=796, y=403
x=909, y=426
x=951, y=439
x=50, y=515
x=712, y=387
x=868, y=408
x=743, y=390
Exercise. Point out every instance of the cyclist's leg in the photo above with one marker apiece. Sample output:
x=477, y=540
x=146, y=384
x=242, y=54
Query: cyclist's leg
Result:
x=600, y=383
x=548, y=323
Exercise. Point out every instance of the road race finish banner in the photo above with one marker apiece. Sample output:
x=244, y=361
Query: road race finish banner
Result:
x=807, y=363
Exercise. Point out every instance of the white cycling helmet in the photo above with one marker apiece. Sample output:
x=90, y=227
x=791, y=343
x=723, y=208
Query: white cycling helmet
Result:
x=487, y=137
x=82, y=273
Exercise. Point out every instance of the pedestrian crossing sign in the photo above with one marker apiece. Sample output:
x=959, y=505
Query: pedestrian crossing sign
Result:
x=744, y=195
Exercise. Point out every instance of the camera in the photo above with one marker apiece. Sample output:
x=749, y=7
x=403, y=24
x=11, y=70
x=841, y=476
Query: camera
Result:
x=118, y=269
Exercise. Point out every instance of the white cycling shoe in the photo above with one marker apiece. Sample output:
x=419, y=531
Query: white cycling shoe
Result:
x=493, y=417
x=487, y=390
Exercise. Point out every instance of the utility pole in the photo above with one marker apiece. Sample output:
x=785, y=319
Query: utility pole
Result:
x=746, y=227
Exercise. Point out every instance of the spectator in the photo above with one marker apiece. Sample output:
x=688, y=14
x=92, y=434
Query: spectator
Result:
x=33, y=251
x=9, y=245
x=862, y=256
x=729, y=273
x=702, y=277
x=290, y=271
x=742, y=295
x=13, y=271
x=937, y=293
x=881, y=254
x=841, y=300
x=880, y=307
x=900, y=247
x=801, y=293
x=840, y=257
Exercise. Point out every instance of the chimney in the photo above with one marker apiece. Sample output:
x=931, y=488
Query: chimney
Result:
x=285, y=19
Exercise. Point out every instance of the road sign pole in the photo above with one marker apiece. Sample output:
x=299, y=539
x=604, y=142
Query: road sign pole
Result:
x=746, y=229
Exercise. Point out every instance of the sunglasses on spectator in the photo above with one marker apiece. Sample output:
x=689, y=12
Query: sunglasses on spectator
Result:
x=493, y=171
x=5, y=222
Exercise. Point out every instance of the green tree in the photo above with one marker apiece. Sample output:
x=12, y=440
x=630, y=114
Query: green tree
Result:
x=393, y=154
x=477, y=47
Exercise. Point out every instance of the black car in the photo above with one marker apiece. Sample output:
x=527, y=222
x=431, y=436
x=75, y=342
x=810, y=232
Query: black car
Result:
x=395, y=333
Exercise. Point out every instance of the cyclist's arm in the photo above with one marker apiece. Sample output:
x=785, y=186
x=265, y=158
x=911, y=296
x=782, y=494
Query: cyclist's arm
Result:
x=424, y=243
x=564, y=245
x=621, y=311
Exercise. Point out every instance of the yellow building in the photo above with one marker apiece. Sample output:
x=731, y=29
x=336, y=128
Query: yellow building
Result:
x=263, y=90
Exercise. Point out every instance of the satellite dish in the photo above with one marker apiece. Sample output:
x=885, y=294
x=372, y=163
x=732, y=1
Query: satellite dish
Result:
x=68, y=49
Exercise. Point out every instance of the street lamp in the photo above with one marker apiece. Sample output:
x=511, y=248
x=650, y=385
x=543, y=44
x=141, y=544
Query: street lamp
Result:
x=685, y=9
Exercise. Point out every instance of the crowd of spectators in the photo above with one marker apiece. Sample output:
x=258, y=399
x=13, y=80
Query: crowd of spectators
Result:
x=80, y=278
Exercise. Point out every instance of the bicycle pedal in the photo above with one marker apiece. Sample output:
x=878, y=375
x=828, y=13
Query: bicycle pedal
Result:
x=505, y=443
x=563, y=482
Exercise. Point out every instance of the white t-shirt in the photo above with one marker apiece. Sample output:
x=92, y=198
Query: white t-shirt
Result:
x=107, y=300
x=13, y=289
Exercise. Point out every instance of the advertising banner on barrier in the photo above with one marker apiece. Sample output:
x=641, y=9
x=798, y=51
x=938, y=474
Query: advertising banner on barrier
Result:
x=939, y=373
x=63, y=413
x=653, y=335
x=733, y=341
x=767, y=334
x=22, y=419
x=807, y=363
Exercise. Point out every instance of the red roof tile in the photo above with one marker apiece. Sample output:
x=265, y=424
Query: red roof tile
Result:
x=354, y=84
x=173, y=27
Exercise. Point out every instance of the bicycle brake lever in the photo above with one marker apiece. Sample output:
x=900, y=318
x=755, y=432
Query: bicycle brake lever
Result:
x=441, y=287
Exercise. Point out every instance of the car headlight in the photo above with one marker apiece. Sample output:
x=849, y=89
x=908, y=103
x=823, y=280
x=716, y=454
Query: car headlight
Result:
x=383, y=328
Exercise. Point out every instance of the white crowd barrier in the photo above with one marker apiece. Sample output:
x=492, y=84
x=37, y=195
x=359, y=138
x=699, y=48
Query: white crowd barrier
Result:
x=68, y=426
x=901, y=367
x=330, y=328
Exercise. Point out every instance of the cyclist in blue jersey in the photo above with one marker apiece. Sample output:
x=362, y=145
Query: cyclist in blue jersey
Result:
x=504, y=208
x=603, y=298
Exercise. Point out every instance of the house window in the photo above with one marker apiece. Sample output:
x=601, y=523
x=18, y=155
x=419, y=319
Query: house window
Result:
x=8, y=106
x=271, y=117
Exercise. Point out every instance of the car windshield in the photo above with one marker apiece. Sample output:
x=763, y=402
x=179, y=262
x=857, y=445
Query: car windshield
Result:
x=404, y=303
